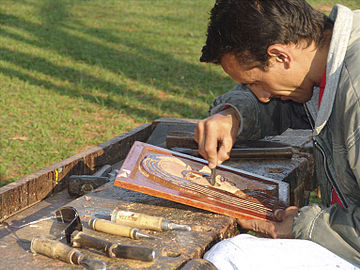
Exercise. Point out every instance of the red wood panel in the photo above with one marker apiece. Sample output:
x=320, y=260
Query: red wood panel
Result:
x=262, y=193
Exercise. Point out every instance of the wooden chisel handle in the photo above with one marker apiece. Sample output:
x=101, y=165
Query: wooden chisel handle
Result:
x=106, y=226
x=133, y=252
x=143, y=221
x=55, y=249
x=112, y=250
x=82, y=240
x=58, y=250
x=138, y=220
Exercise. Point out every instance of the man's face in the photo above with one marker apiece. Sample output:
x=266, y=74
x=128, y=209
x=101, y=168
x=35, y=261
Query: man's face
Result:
x=279, y=80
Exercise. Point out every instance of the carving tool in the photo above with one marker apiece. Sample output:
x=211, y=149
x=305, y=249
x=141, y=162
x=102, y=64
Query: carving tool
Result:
x=143, y=221
x=82, y=184
x=79, y=239
x=106, y=226
x=58, y=250
x=247, y=152
x=112, y=250
x=213, y=176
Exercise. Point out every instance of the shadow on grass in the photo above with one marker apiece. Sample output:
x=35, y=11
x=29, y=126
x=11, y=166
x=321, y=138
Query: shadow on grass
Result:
x=142, y=65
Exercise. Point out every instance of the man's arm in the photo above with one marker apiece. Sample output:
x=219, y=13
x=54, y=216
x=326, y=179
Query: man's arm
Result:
x=261, y=119
x=216, y=135
x=245, y=117
x=332, y=227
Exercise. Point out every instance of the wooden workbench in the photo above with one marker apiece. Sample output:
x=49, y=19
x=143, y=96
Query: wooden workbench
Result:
x=38, y=195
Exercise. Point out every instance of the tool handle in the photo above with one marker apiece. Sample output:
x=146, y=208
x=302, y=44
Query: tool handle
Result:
x=262, y=152
x=107, y=226
x=133, y=252
x=55, y=249
x=82, y=184
x=58, y=250
x=112, y=250
x=138, y=220
x=82, y=240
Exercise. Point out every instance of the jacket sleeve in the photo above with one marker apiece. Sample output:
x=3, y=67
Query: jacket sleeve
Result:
x=334, y=228
x=261, y=119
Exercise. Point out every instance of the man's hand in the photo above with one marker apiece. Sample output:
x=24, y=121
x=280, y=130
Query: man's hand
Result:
x=218, y=130
x=281, y=229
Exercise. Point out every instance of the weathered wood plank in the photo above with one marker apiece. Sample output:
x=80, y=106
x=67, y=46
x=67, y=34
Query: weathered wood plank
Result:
x=172, y=248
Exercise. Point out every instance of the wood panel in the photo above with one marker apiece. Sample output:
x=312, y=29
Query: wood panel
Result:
x=261, y=195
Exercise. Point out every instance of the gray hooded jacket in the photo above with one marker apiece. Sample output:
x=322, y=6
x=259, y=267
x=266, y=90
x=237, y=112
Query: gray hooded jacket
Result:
x=336, y=130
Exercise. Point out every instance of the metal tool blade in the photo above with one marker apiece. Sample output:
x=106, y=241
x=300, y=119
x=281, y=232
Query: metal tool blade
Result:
x=212, y=176
x=139, y=235
x=92, y=264
x=180, y=227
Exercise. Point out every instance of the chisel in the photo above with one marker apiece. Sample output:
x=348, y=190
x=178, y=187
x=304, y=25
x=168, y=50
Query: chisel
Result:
x=106, y=226
x=112, y=250
x=58, y=250
x=247, y=152
x=213, y=176
x=143, y=221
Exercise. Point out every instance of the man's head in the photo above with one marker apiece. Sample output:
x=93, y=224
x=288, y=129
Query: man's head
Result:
x=247, y=28
x=270, y=45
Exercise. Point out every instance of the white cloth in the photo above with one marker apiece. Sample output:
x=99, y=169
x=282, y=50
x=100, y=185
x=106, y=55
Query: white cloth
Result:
x=248, y=252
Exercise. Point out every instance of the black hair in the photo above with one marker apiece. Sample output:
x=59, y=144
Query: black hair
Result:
x=247, y=28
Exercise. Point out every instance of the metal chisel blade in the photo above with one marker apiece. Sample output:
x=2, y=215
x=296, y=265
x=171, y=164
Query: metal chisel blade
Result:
x=212, y=176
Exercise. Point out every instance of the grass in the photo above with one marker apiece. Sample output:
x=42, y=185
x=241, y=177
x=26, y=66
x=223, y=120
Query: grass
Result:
x=326, y=5
x=76, y=73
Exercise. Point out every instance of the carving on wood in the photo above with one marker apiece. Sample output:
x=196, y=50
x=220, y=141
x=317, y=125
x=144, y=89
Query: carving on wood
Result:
x=181, y=178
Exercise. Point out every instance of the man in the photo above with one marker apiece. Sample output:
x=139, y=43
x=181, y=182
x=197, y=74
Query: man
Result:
x=297, y=69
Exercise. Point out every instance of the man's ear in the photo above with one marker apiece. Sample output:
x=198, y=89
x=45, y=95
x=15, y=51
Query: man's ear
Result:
x=280, y=54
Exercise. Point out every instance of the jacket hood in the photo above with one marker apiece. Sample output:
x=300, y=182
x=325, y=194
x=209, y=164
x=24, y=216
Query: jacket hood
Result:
x=343, y=18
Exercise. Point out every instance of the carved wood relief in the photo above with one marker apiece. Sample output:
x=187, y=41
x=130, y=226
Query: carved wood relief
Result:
x=181, y=178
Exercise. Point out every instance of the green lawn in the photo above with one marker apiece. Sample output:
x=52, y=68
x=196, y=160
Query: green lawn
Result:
x=76, y=73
